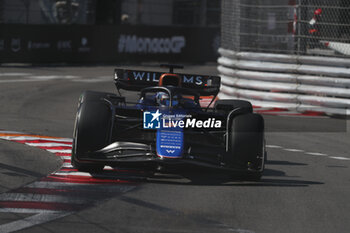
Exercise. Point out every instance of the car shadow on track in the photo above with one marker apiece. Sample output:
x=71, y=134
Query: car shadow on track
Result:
x=201, y=176
x=193, y=175
x=282, y=162
x=214, y=179
x=210, y=177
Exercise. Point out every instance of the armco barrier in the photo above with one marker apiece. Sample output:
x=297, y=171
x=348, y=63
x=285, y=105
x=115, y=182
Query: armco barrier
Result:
x=298, y=83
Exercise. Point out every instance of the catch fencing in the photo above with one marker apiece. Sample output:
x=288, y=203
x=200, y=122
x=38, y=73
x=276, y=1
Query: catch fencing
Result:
x=287, y=54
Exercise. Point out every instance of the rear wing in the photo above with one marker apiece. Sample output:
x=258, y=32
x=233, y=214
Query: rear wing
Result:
x=136, y=80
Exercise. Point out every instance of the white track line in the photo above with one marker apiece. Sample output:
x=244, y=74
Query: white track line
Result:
x=43, y=198
x=10, y=132
x=293, y=150
x=86, y=174
x=39, y=78
x=59, y=151
x=94, y=80
x=31, y=221
x=48, y=144
x=82, y=186
x=14, y=74
x=273, y=146
x=316, y=153
x=20, y=80
x=307, y=153
x=339, y=158
x=67, y=165
x=26, y=211
x=52, y=77
x=29, y=138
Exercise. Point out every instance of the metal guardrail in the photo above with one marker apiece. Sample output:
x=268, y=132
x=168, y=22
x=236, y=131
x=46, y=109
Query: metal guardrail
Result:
x=299, y=83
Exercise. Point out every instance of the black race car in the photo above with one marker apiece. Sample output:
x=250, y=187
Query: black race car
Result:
x=167, y=127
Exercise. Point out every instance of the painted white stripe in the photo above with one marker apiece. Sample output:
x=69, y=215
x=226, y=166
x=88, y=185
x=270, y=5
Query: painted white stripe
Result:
x=95, y=175
x=22, y=138
x=81, y=186
x=13, y=132
x=73, y=173
x=339, y=158
x=31, y=221
x=59, y=151
x=65, y=157
x=94, y=80
x=51, y=77
x=69, y=165
x=48, y=144
x=292, y=150
x=14, y=74
x=282, y=113
x=56, y=185
x=273, y=146
x=19, y=81
x=66, y=165
x=26, y=211
x=315, y=153
x=304, y=116
x=32, y=197
x=41, y=78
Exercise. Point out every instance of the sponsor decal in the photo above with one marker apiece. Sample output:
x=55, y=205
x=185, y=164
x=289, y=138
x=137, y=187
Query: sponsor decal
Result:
x=84, y=45
x=134, y=44
x=154, y=77
x=198, y=80
x=64, y=45
x=15, y=44
x=170, y=143
x=157, y=120
x=2, y=44
x=38, y=45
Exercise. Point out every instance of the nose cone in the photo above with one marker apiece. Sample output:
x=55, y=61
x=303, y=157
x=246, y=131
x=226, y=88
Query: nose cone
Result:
x=170, y=143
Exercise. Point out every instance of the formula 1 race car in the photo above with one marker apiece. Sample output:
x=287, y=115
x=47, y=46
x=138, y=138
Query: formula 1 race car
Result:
x=167, y=126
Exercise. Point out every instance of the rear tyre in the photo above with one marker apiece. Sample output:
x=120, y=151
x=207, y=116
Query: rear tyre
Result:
x=247, y=145
x=92, y=129
x=229, y=105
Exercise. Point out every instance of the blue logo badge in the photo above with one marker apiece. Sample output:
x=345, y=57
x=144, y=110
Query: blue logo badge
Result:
x=152, y=120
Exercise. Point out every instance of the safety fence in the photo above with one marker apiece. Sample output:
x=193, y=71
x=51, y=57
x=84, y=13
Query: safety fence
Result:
x=299, y=83
x=304, y=27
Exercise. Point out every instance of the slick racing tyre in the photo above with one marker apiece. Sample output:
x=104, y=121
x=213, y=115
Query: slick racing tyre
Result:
x=229, y=105
x=92, y=129
x=246, y=144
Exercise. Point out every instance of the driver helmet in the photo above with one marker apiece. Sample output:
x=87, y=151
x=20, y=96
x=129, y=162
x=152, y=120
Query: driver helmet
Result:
x=162, y=98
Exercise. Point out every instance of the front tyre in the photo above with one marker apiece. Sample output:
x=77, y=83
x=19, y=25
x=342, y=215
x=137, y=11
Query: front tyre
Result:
x=92, y=130
x=246, y=144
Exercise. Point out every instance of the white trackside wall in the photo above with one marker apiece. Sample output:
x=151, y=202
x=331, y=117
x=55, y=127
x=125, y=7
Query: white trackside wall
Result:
x=298, y=83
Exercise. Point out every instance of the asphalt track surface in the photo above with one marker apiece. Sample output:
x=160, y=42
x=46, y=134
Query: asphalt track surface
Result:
x=306, y=186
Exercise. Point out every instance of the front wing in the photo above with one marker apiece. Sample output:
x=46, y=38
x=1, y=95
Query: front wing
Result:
x=138, y=154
